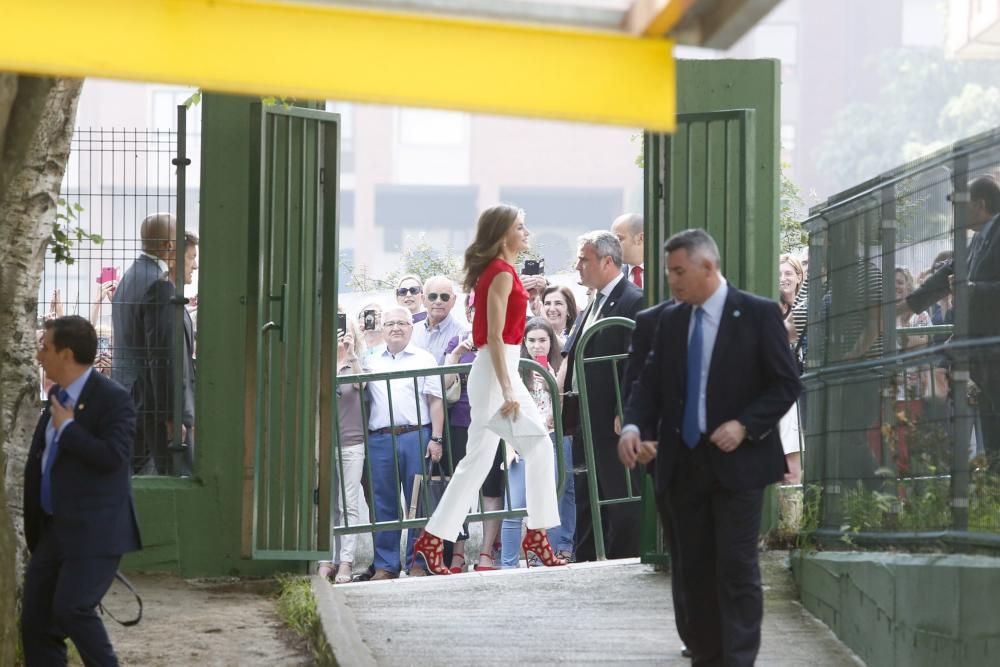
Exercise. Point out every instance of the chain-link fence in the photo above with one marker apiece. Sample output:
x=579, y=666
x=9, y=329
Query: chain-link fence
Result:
x=902, y=352
x=114, y=179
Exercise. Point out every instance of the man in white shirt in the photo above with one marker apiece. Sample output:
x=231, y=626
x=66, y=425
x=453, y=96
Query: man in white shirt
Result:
x=402, y=431
x=631, y=233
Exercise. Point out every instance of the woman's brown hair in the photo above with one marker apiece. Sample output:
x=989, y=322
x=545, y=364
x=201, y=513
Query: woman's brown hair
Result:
x=493, y=225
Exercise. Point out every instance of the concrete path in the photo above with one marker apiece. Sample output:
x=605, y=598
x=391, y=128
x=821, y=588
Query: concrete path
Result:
x=617, y=612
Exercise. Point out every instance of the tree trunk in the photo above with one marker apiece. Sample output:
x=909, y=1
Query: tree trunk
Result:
x=36, y=125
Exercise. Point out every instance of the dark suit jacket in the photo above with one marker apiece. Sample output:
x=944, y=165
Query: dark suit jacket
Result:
x=129, y=309
x=752, y=378
x=984, y=273
x=93, y=511
x=160, y=336
x=646, y=324
x=625, y=300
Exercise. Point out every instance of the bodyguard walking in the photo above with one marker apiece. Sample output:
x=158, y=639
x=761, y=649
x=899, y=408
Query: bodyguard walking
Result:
x=719, y=377
x=79, y=517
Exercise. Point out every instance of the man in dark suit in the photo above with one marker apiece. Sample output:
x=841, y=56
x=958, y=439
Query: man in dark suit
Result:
x=131, y=308
x=79, y=516
x=983, y=304
x=718, y=379
x=161, y=333
x=599, y=263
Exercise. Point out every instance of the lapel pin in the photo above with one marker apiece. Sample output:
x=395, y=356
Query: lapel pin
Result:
x=736, y=313
x=80, y=407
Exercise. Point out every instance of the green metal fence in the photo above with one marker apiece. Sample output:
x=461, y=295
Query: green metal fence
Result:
x=896, y=401
x=580, y=364
x=337, y=491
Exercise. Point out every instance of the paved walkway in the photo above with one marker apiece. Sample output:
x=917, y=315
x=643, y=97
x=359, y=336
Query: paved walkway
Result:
x=617, y=612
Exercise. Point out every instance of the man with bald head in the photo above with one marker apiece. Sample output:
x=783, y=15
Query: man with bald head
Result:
x=434, y=333
x=131, y=306
x=630, y=232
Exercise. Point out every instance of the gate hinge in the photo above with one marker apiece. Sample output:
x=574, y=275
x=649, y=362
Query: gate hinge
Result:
x=322, y=175
x=316, y=496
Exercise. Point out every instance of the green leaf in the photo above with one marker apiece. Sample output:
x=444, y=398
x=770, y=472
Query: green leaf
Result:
x=193, y=100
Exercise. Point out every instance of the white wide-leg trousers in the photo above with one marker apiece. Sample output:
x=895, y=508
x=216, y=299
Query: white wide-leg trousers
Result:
x=485, y=398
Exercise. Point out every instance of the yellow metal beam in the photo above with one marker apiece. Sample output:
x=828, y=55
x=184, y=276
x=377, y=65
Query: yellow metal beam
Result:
x=315, y=51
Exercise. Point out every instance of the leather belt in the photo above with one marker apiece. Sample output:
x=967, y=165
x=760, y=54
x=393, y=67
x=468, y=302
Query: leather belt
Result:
x=395, y=430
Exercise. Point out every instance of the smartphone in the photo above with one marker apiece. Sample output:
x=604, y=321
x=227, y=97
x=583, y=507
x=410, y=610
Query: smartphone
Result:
x=533, y=267
x=341, y=324
x=108, y=274
x=543, y=360
x=370, y=320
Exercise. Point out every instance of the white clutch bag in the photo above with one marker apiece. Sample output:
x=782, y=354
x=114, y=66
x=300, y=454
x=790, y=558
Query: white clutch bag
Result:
x=511, y=431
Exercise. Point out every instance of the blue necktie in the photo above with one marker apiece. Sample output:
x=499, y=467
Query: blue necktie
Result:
x=690, y=430
x=47, y=468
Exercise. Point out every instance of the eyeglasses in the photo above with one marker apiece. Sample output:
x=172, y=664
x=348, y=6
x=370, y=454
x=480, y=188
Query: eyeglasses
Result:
x=434, y=296
x=402, y=324
x=403, y=291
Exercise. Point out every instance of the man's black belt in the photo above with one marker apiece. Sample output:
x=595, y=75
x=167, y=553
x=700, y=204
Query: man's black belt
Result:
x=395, y=430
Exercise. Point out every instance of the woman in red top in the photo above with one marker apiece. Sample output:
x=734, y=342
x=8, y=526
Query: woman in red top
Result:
x=494, y=384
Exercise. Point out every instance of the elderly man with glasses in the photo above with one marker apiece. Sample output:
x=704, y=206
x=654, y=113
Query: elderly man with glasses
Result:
x=404, y=425
x=434, y=333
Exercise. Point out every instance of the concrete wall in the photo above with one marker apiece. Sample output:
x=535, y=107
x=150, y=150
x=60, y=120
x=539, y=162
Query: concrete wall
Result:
x=906, y=610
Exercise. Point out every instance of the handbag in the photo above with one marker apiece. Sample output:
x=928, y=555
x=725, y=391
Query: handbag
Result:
x=454, y=392
x=427, y=492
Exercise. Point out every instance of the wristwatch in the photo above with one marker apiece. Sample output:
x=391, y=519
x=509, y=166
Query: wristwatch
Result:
x=437, y=438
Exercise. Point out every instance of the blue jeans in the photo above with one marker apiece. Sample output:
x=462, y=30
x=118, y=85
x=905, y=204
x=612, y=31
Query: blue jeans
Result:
x=410, y=449
x=561, y=536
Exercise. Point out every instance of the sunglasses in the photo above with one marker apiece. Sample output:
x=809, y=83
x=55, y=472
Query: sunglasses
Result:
x=403, y=291
x=434, y=296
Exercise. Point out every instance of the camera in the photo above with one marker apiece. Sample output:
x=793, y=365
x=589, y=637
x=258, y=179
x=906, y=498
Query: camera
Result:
x=533, y=267
x=370, y=320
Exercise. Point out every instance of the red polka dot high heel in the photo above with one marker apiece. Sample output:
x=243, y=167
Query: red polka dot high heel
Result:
x=430, y=548
x=537, y=542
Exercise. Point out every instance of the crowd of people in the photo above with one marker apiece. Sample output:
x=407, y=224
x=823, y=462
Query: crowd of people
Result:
x=420, y=330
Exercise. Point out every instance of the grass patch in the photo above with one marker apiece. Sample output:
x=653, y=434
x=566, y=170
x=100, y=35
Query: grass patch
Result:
x=297, y=609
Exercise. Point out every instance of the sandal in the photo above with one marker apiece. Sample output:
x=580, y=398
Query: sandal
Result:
x=324, y=568
x=485, y=568
x=457, y=569
x=344, y=575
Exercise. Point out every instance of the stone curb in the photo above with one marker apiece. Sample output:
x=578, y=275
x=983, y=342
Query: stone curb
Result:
x=340, y=627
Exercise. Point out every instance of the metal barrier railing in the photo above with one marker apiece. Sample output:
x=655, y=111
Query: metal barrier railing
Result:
x=579, y=365
x=403, y=523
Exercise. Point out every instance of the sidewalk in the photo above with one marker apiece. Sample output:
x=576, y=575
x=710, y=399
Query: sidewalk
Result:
x=588, y=613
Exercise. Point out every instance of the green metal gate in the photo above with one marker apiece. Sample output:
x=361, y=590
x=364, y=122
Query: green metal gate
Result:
x=293, y=207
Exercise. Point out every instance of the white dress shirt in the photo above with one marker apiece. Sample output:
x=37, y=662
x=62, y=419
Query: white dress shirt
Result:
x=408, y=408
